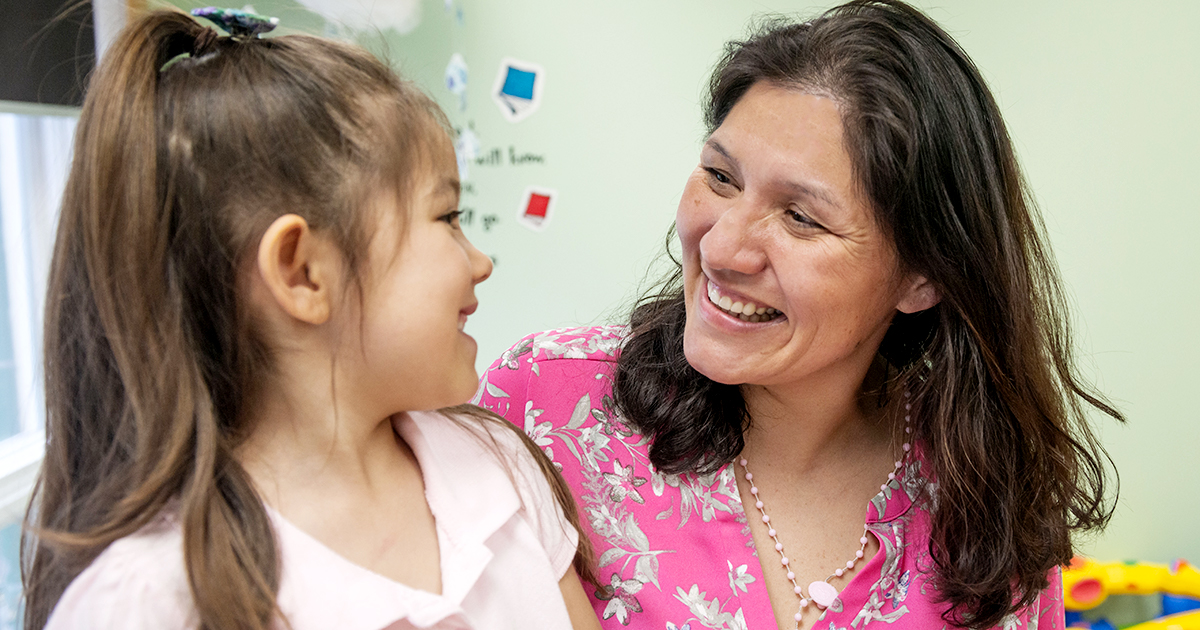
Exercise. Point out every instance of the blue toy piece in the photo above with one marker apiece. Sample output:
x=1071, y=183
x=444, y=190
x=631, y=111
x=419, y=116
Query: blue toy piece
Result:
x=1172, y=604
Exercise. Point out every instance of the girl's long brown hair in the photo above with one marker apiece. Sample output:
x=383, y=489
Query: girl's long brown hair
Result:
x=188, y=146
x=997, y=402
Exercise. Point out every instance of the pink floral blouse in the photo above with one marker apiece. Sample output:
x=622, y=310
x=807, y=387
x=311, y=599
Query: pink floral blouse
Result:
x=675, y=551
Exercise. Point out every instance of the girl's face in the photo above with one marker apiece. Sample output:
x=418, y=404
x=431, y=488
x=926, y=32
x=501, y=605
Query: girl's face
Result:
x=773, y=226
x=419, y=289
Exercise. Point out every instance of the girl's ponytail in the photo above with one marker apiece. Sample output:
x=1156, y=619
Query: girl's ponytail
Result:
x=131, y=420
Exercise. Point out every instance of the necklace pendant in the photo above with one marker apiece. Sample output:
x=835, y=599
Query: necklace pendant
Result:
x=822, y=593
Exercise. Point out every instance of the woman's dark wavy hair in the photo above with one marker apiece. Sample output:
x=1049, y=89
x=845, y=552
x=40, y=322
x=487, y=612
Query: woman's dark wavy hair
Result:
x=998, y=406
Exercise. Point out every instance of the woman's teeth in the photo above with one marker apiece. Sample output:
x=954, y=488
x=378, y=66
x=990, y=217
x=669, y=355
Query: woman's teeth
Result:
x=747, y=311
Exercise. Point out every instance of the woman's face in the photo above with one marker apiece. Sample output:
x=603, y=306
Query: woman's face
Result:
x=773, y=225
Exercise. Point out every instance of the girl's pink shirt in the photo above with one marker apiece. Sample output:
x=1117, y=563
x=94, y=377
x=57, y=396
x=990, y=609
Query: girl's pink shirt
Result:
x=503, y=539
x=675, y=551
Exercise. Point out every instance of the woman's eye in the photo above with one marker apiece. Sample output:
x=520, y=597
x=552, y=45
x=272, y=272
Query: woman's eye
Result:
x=720, y=177
x=800, y=219
x=451, y=217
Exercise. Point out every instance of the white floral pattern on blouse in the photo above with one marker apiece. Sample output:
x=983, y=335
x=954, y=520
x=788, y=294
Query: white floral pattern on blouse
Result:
x=676, y=551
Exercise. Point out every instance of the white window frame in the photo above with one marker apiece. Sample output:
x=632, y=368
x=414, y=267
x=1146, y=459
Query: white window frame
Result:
x=28, y=241
x=30, y=193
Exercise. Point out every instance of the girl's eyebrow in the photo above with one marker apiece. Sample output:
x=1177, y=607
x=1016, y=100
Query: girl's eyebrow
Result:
x=449, y=188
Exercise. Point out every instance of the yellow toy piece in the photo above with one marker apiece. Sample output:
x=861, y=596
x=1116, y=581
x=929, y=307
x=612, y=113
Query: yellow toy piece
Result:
x=1087, y=583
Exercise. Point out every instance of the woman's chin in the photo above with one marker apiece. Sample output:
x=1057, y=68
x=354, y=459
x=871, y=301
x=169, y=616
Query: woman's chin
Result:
x=714, y=364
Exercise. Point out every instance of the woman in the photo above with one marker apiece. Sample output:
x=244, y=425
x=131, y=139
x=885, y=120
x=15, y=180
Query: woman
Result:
x=865, y=315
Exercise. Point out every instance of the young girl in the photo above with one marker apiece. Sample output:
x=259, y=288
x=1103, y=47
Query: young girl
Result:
x=259, y=279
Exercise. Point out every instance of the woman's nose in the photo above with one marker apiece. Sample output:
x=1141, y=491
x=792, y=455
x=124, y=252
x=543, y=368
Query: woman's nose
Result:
x=733, y=242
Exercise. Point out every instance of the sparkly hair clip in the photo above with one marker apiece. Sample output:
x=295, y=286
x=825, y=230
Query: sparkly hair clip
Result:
x=237, y=22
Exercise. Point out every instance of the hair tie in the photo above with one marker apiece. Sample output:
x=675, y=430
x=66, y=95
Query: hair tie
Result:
x=204, y=43
x=241, y=24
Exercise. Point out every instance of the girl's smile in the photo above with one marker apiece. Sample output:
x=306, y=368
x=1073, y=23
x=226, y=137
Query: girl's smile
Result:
x=463, y=314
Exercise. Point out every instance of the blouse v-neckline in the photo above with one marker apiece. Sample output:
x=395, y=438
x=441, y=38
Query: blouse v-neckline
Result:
x=890, y=503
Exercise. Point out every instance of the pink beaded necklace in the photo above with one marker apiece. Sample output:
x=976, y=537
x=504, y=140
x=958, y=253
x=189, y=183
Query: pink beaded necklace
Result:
x=821, y=592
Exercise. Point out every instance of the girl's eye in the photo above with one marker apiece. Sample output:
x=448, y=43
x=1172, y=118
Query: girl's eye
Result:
x=451, y=217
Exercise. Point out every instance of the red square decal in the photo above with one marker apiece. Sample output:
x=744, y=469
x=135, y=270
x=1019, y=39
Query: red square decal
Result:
x=537, y=205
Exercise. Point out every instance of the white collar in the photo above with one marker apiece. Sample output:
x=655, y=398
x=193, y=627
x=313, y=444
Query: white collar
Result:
x=471, y=496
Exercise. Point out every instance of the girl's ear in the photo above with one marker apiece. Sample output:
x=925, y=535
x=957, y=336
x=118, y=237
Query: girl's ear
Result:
x=298, y=268
x=919, y=295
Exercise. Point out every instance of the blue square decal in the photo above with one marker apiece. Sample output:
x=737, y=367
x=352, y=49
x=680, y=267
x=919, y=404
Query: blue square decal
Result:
x=518, y=83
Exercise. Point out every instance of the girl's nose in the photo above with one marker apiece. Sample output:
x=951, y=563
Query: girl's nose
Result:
x=481, y=264
x=733, y=242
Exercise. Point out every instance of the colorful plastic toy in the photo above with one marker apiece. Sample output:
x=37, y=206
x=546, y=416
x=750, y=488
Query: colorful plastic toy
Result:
x=1182, y=621
x=1087, y=583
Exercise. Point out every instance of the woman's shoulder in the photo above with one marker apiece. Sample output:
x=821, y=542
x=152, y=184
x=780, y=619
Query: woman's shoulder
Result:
x=561, y=360
x=591, y=343
x=554, y=378
x=139, y=581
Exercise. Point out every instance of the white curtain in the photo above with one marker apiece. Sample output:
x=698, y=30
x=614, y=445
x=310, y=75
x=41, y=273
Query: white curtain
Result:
x=35, y=154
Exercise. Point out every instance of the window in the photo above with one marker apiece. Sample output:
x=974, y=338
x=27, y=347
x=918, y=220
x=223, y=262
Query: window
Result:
x=35, y=149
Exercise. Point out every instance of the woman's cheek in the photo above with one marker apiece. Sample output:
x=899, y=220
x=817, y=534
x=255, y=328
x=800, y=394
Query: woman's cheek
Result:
x=691, y=220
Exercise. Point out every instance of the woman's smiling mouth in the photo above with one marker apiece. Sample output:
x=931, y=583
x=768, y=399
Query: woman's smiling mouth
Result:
x=744, y=310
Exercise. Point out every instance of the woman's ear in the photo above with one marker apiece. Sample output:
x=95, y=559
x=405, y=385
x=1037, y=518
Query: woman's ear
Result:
x=919, y=295
x=298, y=268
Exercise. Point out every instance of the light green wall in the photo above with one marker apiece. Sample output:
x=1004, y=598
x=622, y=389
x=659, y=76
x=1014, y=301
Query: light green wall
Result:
x=1100, y=98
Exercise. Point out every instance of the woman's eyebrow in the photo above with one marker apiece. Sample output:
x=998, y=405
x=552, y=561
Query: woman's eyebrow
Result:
x=795, y=188
x=716, y=146
x=804, y=190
